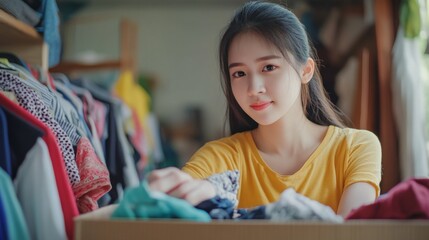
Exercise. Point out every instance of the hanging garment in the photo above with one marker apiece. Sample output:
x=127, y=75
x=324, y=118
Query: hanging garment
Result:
x=407, y=200
x=130, y=171
x=16, y=225
x=43, y=77
x=133, y=95
x=408, y=106
x=153, y=123
x=4, y=235
x=140, y=202
x=5, y=155
x=32, y=103
x=138, y=100
x=85, y=115
x=77, y=105
x=136, y=133
x=22, y=137
x=94, y=176
x=115, y=159
x=84, y=122
x=99, y=114
x=68, y=202
x=49, y=28
x=37, y=193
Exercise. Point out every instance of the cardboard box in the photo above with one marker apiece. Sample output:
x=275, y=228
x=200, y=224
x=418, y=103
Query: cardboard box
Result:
x=97, y=225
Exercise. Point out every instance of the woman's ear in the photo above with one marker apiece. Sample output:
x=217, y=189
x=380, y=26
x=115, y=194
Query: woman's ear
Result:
x=307, y=71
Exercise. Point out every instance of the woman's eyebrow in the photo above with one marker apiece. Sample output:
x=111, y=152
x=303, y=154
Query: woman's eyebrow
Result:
x=267, y=58
x=257, y=60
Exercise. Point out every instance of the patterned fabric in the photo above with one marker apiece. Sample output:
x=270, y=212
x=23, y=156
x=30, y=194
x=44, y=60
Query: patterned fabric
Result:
x=226, y=185
x=94, y=176
x=29, y=99
x=50, y=98
x=217, y=208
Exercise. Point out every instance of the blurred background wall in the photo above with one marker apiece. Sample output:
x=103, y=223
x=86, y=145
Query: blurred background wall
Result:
x=176, y=43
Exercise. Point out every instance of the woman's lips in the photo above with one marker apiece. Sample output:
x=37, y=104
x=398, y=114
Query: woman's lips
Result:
x=260, y=106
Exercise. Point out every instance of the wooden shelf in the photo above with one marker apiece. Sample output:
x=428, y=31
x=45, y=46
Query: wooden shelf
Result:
x=128, y=51
x=68, y=67
x=15, y=32
x=22, y=40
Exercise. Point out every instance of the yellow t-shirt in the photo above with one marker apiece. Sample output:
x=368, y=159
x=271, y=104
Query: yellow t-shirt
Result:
x=345, y=156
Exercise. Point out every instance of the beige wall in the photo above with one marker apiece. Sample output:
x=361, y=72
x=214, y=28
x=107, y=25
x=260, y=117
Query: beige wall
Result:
x=178, y=44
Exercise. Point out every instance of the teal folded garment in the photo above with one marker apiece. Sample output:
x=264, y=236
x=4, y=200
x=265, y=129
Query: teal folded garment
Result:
x=140, y=202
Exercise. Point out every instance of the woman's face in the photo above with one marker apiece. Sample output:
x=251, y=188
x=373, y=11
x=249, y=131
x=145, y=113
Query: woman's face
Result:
x=263, y=82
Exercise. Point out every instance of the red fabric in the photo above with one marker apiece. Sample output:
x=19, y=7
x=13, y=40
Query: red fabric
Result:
x=138, y=141
x=34, y=72
x=94, y=177
x=99, y=117
x=51, y=81
x=407, y=200
x=68, y=204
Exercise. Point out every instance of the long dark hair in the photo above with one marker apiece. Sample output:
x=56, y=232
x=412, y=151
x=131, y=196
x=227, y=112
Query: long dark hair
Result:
x=282, y=28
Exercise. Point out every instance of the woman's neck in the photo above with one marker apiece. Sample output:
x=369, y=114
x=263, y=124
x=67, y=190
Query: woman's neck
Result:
x=288, y=137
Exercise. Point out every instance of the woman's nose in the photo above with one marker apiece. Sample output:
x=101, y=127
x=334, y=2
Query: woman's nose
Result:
x=256, y=85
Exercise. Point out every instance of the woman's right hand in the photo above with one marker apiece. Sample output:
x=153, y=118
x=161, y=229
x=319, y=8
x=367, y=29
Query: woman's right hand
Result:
x=177, y=183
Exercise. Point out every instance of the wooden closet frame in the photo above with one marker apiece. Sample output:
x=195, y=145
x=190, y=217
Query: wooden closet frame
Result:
x=373, y=108
x=127, y=59
x=385, y=32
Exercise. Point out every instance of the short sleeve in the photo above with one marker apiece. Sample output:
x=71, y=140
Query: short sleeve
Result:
x=364, y=162
x=214, y=157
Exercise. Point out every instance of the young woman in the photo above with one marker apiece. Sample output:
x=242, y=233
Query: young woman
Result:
x=284, y=131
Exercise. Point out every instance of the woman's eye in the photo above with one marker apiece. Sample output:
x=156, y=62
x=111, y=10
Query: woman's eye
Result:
x=238, y=74
x=269, y=68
